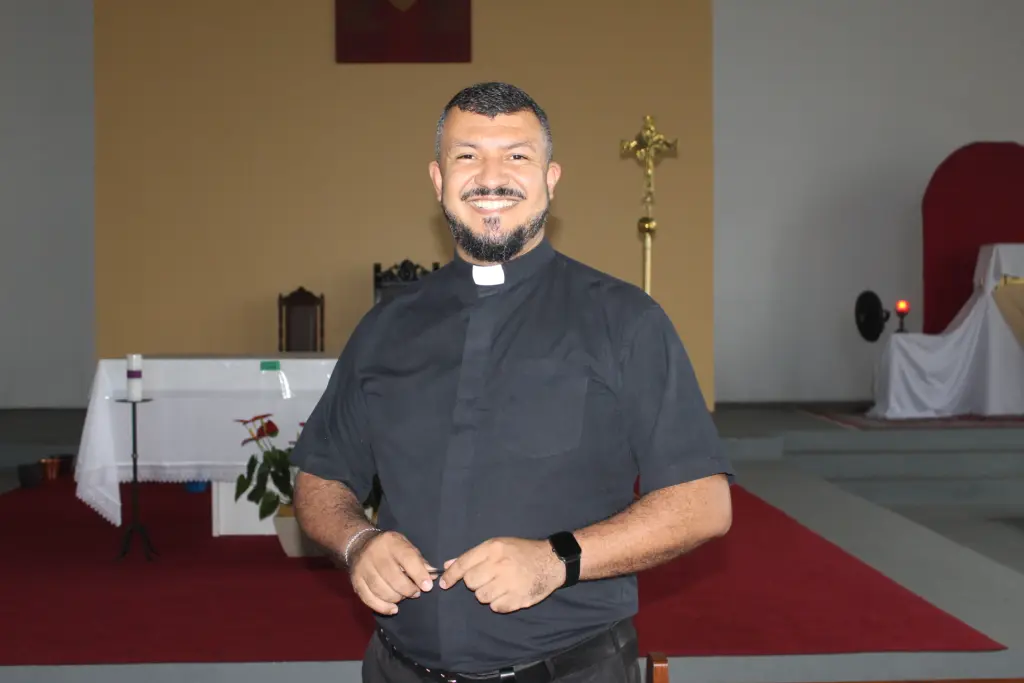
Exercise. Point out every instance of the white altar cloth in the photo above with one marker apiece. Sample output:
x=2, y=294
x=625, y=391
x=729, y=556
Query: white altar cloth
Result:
x=974, y=367
x=188, y=431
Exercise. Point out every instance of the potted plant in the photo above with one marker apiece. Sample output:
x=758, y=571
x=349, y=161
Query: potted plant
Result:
x=269, y=481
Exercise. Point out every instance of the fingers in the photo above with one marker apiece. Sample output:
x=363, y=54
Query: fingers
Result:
x=396, y=580
x=415, y=567
x=500, y=572
x=371, y=600
x=479, y=576
x=489, y=591
x=381, y=587
x=484, y=580
x=504, y=604
x=387, y=571
x=456, y=569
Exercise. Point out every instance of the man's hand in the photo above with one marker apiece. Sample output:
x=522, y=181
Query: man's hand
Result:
x=508, y=574
x=387, y=569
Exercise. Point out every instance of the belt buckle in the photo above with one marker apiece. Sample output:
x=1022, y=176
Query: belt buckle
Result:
x=506, y=675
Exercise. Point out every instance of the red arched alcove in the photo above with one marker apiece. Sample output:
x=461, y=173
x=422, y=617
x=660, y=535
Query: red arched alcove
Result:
x=975, y=197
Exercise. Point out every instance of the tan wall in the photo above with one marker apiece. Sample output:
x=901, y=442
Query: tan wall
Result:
x=235, y=160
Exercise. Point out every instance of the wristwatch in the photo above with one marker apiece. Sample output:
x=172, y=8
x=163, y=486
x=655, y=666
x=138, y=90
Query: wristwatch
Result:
x=568, y=550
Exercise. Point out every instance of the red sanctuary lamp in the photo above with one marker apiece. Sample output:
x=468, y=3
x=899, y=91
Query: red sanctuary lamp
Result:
x=902, y=309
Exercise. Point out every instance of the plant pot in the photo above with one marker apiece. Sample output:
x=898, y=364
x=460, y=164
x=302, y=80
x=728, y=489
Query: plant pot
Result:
x=67, y=465
x=51, y=468
x=294, y=541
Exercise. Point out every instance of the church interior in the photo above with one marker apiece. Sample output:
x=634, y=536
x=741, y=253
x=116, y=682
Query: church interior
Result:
x=201, y=199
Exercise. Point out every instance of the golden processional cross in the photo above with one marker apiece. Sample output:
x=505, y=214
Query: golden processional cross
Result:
x=646, y=147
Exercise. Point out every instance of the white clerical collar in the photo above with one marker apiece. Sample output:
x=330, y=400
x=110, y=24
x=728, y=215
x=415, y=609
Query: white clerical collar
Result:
x=489, y=275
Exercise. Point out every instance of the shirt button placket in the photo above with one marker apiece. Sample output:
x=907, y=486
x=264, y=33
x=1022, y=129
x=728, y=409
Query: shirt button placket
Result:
x=456, y=478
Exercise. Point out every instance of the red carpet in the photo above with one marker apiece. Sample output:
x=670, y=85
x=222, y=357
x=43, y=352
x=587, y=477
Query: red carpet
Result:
x=771, y=587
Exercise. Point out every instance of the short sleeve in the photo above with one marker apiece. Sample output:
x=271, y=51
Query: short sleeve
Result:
x=335, y=442
x=671, y=433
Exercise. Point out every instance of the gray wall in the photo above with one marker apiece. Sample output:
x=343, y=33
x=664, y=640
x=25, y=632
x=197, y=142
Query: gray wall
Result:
x=830, y=117
x=46, y=203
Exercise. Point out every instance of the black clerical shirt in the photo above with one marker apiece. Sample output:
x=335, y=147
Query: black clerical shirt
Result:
x=517, y=409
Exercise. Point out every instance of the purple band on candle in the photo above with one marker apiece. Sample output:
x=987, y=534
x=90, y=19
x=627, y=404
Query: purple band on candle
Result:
x=135, y=374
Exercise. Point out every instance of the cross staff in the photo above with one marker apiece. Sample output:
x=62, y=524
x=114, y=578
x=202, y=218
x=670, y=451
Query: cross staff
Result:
x=647, y=146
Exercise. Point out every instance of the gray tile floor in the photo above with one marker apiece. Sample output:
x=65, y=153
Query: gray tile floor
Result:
x=971, y=567
x=752, y=422
x=999, y=539
x=992, y=532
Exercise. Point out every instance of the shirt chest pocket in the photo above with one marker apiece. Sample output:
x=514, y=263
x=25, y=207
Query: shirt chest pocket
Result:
x=536, y=409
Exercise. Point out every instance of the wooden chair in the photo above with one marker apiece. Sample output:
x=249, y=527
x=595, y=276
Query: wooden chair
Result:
x=300, y=322
x=657, y=668
x=387, y=283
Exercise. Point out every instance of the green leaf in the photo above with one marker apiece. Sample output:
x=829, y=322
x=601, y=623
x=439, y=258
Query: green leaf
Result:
x=241, y=485
x=251, y=467
x=261, y=484
x=283, y=481
x=268, y=504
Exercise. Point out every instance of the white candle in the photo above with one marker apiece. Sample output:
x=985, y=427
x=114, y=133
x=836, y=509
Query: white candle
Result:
x=134, y=377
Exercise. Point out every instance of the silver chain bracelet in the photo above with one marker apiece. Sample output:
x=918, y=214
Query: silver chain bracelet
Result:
x=352, y=540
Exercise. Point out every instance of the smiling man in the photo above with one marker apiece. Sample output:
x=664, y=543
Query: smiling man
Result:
x=498, y=175
x=507, y=403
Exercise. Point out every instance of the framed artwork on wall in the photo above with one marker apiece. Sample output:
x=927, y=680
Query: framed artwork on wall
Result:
x=402, y=31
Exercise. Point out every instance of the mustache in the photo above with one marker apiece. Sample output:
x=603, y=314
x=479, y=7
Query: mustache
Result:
x=492, y=192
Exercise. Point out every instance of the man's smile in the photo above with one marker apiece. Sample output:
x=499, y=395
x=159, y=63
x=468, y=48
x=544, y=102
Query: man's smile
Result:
x=490, y=206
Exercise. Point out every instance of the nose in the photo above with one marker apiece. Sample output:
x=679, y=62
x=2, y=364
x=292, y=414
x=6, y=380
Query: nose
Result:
x=492, y=174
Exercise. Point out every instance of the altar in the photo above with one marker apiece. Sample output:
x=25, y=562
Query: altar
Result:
x=190, y=430
x=976, y=365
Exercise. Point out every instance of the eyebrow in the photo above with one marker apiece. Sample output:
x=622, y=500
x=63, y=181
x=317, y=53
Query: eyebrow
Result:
x=513, y=145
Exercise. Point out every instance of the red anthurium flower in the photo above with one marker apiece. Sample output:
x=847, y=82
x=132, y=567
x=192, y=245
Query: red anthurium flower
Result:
x=270, y=428
x=248, y=441
x=262, y=417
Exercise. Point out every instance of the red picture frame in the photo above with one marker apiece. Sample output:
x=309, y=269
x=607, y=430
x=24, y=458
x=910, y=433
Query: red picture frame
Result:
x=402, y=31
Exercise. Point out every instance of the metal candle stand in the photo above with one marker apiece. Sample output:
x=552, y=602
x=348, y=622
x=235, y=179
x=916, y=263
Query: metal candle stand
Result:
x=136, y=526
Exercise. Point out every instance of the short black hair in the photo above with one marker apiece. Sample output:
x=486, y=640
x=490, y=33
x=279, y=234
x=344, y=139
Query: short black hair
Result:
x=492, y=99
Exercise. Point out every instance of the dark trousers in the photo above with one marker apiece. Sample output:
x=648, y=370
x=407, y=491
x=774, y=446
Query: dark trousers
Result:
x=381, y=666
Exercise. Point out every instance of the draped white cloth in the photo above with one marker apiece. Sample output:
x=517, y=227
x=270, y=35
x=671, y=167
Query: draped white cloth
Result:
x=974, y=367
x=188, y=431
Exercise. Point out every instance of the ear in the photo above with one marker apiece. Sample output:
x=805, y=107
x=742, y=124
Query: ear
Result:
x=435, y=177
x=554, y=172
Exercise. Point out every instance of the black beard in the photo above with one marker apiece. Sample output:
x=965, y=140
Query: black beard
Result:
x=501, y=249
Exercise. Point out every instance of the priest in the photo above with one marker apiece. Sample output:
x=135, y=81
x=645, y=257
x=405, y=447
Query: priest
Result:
x=507, y=403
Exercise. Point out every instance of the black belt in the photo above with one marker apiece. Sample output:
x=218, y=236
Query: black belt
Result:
x=575, y=659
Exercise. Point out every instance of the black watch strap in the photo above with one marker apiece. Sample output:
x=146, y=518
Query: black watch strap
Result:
x=568, y=550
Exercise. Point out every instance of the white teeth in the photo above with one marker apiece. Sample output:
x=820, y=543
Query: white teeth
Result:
x=493, y=204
